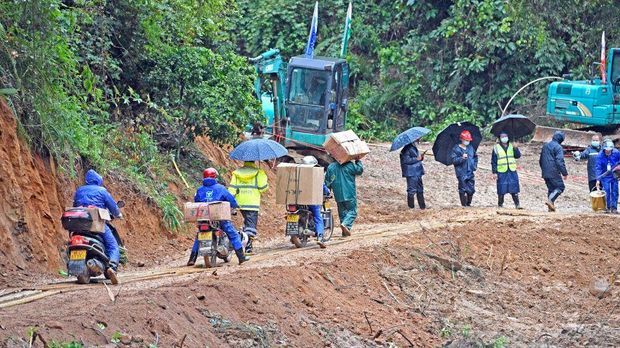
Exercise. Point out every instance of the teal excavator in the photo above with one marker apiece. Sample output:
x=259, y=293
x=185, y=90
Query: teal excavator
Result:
x=306, y=99
x=592, y=105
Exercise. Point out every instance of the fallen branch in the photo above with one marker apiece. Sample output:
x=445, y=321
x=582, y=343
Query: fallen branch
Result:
x=377, y=334
x=394, y=296
x=110, y=294
x=490, y=264
x=368, y=321
x=501, y=267
x=406, y=338
x=182, y=341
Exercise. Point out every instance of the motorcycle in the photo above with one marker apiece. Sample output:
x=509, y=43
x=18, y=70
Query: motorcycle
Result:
x=86, y=250
x=300, y=224
x=214, y=243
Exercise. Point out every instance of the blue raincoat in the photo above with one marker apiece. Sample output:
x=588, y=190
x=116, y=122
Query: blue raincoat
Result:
x=507, y=182
x=604, y=164
x=464, y=168
x=94, y=194
x=211, y=191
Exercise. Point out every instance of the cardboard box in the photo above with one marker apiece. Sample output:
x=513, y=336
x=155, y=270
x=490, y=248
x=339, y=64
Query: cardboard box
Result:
x=213, y=211
x=346, y=146
x=299, y=184
x=99, y=217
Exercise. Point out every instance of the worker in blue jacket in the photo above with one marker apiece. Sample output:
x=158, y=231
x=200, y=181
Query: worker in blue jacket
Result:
x=607, y=160
x=553, y=168
x=211, y=191
x=591, y=155
x=93, y=194
x=412, y=170
x=465, y=161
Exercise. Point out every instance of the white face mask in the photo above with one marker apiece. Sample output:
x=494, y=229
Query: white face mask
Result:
x=504, y=140
x=465, y=142
x=596, y=143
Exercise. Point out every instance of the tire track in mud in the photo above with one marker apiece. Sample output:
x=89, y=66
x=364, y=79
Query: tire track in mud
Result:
x=277, y=253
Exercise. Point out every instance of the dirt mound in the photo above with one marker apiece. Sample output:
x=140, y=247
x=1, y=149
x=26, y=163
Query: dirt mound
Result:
x=32, y=198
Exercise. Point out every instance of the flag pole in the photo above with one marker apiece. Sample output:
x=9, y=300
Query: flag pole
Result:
x=347, y=32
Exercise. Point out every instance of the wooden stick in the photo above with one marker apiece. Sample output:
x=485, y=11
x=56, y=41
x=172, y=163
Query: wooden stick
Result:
x=394, y=296
x=368, y=321
x=182, y=341
x=501, y=267
x=405, y=337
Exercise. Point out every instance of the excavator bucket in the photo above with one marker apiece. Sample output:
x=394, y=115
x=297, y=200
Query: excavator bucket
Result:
x=572, y=138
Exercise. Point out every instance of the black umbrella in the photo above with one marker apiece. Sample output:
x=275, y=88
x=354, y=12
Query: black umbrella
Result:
x=516, y=126
x=450, y=136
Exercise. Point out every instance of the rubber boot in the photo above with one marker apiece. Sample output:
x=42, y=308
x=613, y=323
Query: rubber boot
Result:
x=463, y=197
x=515, y=198
x=500, y=201
x=241, y=256
x=421, y=201
x=249, y=248
x=470, y=197
x=192, y=259
x=411, y=200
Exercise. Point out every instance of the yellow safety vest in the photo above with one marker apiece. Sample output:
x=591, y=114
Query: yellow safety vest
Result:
x=505, y=159
x=247, y=184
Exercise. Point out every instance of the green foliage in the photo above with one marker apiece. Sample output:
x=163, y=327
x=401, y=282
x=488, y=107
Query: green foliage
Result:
x=423, y=62
x=116, y=337
x=202, y=93
x=117, y=84
x=72, y=344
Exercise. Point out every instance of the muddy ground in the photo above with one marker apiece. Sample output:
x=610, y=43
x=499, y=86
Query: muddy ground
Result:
x=446, y=276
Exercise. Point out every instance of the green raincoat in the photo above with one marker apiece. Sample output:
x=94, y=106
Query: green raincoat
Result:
x=340, y=178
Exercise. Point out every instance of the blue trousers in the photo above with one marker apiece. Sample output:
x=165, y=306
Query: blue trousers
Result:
x=467, y=185
x=111, y=246
x=318, y=219
x=231, y=232
x=611, y=192
x=414, y=185
x=555, y=187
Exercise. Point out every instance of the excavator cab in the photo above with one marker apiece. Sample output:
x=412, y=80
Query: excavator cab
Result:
x=316, y=99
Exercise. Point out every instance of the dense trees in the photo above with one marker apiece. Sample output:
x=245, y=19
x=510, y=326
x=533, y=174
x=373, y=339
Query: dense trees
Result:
x=424, y=62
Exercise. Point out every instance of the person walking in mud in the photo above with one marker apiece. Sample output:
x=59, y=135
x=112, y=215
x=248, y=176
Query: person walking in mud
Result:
x=413, y=170
x=247, y=185
x=590, y=154
x=504, y=166
x=465, y=161
x=553, y=168
x=340, y=178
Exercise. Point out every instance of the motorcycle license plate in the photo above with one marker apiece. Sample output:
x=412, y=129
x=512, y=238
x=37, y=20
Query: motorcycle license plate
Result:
x=292, y=218
x=327, y=205
x=77, y=255
x=204, y=236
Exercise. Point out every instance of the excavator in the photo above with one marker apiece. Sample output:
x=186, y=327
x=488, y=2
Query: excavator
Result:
x=305, y=99
x=593, y=105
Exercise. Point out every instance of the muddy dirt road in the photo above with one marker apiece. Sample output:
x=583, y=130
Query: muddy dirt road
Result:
x=445, y=276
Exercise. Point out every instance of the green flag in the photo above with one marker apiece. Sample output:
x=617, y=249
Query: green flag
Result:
x=347, y=32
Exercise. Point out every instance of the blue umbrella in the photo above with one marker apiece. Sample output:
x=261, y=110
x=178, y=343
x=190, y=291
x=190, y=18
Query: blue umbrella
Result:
x=408, y=137
x=447, y=138
x=258, y=150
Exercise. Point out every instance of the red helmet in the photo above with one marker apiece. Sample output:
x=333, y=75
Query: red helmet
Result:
x=210, y=173
x=466, y=135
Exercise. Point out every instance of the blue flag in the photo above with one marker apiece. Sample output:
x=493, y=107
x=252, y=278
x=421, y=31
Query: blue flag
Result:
x=313, y=31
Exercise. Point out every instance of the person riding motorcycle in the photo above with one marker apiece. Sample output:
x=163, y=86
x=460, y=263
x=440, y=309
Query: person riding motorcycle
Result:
x=93, y=194
x=211, y=191
x=316, y=209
